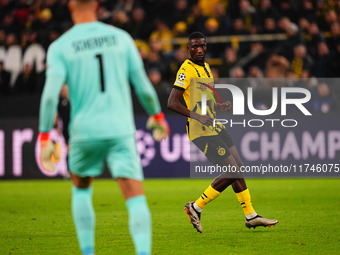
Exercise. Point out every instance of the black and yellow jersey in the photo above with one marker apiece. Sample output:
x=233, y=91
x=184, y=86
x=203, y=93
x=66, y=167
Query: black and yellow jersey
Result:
x=194, y=80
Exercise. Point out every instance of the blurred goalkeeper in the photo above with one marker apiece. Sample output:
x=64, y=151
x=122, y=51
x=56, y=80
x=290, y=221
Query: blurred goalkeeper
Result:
x=97, y=61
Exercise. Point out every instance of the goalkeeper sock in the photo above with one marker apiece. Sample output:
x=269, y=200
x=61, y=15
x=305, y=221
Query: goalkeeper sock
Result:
x=140, y=224
x=245, y=201
x=84, y=218
x=208, y=195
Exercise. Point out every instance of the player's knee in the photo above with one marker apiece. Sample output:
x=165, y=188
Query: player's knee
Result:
x=81, y=182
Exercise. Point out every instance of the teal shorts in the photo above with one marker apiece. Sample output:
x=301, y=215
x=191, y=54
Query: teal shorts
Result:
x=86, y=158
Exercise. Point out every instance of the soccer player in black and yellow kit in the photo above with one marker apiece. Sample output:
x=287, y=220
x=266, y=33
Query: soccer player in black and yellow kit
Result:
x=214, y=142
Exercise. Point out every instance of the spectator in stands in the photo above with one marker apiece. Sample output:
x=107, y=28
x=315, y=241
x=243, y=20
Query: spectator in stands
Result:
x=301, y=61
x=322, y=60
x=33, y=37
x=323, y=100
x=335, y=35
x=156, y=59
x=277, y=67
x=144, y=50
x=180, y=12
x=266, y=10
x=287, y=9
x=308, y=10
x=24, y=40
x=21, y=11
x=180, y=56
x=270, y=26
x=25, y=82
x=155, y=77
x=248, y=14
x=9, y=24
x=121, y=5
x=44, y=25
x=211, y=29
x=238, y=27
x=304, y=25
x=53, y=35
x=331, y=18
x=255, y=72
x=138, y=27
x=224, y=20
x=2, y=37
x=180, y=29
x=156, y=46
x=11, y=39
x=215, y=73
x=6, y=6
x=333, y=66
x=294, y=37
x=229, y=61
x=313, y=38
x=163, y=32
x=237, y=72
x=196, y=19
x=321, y=11
x=120, y=19
x=5, y=78
x=207, y=6
x=40, y=80
x=61, y=14
x=256, y=56
x=104, y=15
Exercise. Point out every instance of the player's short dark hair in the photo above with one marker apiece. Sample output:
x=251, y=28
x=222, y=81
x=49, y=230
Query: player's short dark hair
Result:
x=196, y=35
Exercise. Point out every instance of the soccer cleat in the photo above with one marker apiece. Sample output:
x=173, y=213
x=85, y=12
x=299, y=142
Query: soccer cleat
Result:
x=260, y=221
x=195, y=217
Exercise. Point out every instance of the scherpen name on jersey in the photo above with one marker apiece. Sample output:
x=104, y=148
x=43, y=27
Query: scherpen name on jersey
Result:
x=238, y=106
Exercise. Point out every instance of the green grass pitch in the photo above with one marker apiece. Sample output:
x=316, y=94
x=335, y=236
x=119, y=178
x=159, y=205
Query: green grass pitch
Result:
x=35, y=218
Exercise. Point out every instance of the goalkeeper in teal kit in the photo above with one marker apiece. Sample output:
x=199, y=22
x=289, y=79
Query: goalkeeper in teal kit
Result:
x=97, y=62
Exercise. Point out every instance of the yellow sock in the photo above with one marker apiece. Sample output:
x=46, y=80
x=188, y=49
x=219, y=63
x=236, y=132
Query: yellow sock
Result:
x=208, y=195
x=244, y=199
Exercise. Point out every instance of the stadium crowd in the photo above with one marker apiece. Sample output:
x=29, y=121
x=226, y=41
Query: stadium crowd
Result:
x=311, y=47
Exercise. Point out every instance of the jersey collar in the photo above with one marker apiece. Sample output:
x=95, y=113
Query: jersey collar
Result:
x=195, y=62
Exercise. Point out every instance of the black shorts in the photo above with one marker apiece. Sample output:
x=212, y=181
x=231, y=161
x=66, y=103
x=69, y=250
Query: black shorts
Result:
x=216, y=147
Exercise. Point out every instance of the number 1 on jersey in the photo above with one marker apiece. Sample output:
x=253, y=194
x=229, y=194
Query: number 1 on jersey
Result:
x=100, y=59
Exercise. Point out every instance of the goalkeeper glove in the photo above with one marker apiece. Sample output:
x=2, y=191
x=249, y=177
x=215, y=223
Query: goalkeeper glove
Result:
x=47, y=152
x=159, y=126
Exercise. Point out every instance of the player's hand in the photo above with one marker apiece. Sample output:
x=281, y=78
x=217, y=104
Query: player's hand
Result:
x=226, y=106
x=47, y=152
x=206, y=120
x=159, y=125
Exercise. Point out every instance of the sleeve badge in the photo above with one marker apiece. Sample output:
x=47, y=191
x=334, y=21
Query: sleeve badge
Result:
x=181, y=77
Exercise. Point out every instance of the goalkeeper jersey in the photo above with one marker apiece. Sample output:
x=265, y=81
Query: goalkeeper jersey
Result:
x=194, y=80
x=96, y=61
